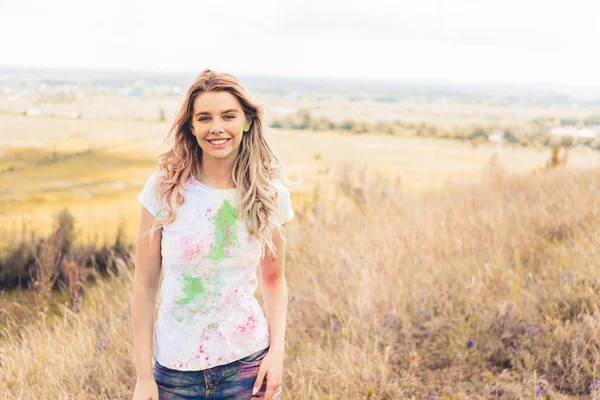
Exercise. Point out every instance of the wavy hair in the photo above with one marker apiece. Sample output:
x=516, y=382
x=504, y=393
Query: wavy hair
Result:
x=254, y=168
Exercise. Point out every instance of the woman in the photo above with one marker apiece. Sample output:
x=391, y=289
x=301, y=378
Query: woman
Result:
x=212, y=213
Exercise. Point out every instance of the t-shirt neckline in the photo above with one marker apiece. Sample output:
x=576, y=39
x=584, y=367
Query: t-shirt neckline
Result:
x=196, y=182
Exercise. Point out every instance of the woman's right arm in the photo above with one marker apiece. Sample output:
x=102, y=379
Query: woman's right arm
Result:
x=148, y=263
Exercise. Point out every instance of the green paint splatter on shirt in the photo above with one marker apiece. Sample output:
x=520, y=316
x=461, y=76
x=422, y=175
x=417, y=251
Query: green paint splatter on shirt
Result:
x=225, y=231
x=192, y=289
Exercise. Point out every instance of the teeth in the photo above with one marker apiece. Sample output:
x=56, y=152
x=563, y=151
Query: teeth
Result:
x=218, y=141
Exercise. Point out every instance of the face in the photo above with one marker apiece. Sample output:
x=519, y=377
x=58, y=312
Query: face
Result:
x=217, y=116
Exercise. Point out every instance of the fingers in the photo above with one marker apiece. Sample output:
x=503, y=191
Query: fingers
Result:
x=276, y=392
x=259, y=379
x=272, y=390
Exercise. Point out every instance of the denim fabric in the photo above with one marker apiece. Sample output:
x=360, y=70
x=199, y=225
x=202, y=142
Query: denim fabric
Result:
x=233, y=381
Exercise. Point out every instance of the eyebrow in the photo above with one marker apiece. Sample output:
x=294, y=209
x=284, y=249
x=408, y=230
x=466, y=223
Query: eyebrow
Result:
x=231, y=110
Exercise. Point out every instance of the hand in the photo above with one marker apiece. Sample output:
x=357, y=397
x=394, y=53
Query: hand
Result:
x=271, y=366
x=145, y=389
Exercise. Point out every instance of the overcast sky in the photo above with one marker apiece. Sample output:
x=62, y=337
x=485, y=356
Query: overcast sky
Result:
x=534, y=41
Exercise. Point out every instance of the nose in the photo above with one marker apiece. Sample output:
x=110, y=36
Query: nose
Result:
x=216, y=128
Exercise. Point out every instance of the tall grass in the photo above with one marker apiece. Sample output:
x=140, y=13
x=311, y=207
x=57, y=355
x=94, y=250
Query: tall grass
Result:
x=481, y=291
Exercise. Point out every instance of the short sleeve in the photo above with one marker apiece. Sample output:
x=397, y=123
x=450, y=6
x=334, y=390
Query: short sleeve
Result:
x=149, y=197
x=285, y=212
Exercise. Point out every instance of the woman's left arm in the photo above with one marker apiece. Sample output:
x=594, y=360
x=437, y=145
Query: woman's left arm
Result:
x=275, y=297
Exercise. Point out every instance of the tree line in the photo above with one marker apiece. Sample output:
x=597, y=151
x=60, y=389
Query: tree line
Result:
x=535, y=133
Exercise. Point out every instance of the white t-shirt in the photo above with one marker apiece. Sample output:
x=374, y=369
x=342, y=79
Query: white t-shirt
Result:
x=208, y=315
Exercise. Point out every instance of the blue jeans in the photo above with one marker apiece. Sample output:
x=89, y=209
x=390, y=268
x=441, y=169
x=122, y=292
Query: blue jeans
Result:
x=233, y=381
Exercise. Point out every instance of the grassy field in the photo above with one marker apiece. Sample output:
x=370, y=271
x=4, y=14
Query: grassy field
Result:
x=486, y=291
x=448, y=271
x=96, y=168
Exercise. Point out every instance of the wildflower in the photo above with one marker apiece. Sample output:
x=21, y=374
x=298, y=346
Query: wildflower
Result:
x=101, y=345
x=592, y=388
x=336, y=324
x=538, y=391
x=426, y=335
x=390, y=318
x=470, y=343
x=293, y=298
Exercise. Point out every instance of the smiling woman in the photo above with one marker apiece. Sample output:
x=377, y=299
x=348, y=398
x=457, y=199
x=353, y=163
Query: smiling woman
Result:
x=214, y=212
x=218, y=130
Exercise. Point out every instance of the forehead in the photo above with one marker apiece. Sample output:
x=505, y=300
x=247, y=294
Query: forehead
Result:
x=216, y=102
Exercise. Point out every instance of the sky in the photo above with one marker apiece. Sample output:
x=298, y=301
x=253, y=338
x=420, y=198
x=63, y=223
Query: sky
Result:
x=519, y=41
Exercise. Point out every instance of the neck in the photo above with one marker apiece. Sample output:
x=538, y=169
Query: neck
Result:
x=215, y=173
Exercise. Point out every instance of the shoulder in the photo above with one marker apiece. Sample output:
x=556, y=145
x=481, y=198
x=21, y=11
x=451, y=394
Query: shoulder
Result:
x=285, y=211
x=156, y=174
x=153, y=178
x=277, y=183
x=282, y=190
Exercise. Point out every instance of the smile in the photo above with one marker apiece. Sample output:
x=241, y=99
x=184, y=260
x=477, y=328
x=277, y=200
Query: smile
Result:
x=219, y=142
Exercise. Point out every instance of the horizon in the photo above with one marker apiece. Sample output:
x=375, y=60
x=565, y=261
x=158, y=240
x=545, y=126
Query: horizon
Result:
x=353, y=79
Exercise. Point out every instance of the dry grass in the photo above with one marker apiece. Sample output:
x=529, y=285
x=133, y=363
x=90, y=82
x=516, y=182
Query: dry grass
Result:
x=485, y=291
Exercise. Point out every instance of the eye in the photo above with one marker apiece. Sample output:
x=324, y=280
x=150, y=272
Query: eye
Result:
x=230, y=116
x=202, y=119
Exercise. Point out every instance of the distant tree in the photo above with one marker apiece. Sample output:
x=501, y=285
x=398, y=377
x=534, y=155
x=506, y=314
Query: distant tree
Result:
x=383, y=127
x=347, y=125
x=592, y=121
x=321, y=124
x=360, y=127
x=568, y=122
x=304, y=118
x=479, y=131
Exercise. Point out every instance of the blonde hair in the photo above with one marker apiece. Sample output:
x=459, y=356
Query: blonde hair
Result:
x=254, y=168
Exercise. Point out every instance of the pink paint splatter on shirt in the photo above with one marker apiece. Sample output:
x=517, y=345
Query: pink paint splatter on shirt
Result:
x=191, y=181
x=180, y=365
x=247, y=328
x=191, y=250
